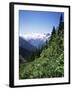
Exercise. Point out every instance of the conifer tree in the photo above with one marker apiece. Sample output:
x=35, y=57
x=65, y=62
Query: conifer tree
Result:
x=53, y=31
x=32, y=56
x=46, y=46
x=61, y=23
x=52, y=35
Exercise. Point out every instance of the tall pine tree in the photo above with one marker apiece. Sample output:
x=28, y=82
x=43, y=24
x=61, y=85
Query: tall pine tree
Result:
x=53, y=31
x=61, y=24
x=52, y=35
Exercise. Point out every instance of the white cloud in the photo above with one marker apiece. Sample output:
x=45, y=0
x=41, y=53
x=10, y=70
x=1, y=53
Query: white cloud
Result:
x=34, y=35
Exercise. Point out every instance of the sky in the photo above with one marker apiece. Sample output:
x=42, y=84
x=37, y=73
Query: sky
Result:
x=38, y=21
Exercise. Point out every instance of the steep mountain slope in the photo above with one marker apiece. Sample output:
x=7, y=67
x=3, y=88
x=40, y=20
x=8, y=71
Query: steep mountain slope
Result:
x=24, y=44
x=25, y=50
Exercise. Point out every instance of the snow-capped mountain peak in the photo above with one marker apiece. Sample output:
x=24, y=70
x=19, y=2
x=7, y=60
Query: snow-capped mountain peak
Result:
x=33, y=35
x=36, y=39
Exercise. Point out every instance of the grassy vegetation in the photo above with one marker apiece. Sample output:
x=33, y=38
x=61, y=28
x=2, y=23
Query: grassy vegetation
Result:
x=50, y=62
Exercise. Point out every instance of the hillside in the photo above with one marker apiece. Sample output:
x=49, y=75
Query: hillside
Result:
x=50, y=62
x=26, y=50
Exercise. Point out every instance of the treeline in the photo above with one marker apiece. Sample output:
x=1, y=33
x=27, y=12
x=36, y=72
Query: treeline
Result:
x=50, y=59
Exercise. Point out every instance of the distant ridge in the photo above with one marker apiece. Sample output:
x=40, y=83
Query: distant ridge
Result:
x=25, y=49
x=36, y=39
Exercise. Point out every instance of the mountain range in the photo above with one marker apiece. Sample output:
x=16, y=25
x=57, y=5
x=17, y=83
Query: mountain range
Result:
x=36, y=39
x=30, y=44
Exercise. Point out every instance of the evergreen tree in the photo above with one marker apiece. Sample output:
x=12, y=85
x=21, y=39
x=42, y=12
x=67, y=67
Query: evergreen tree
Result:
x=61, y=18
x=38, y=53
x=52, y=34
x=46, y=46
x=61, y=24
x=53, y=31
x=32, y=57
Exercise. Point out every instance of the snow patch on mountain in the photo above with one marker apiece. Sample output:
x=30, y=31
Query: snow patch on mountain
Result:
x=36, y=39
x=34, y=36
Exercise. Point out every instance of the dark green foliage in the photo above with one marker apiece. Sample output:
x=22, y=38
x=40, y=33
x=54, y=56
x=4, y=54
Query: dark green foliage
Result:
x=49, y=60
x=61, y=18
x=32, y=57
x=53, y=31
x=53, y=35
x=61, y=24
